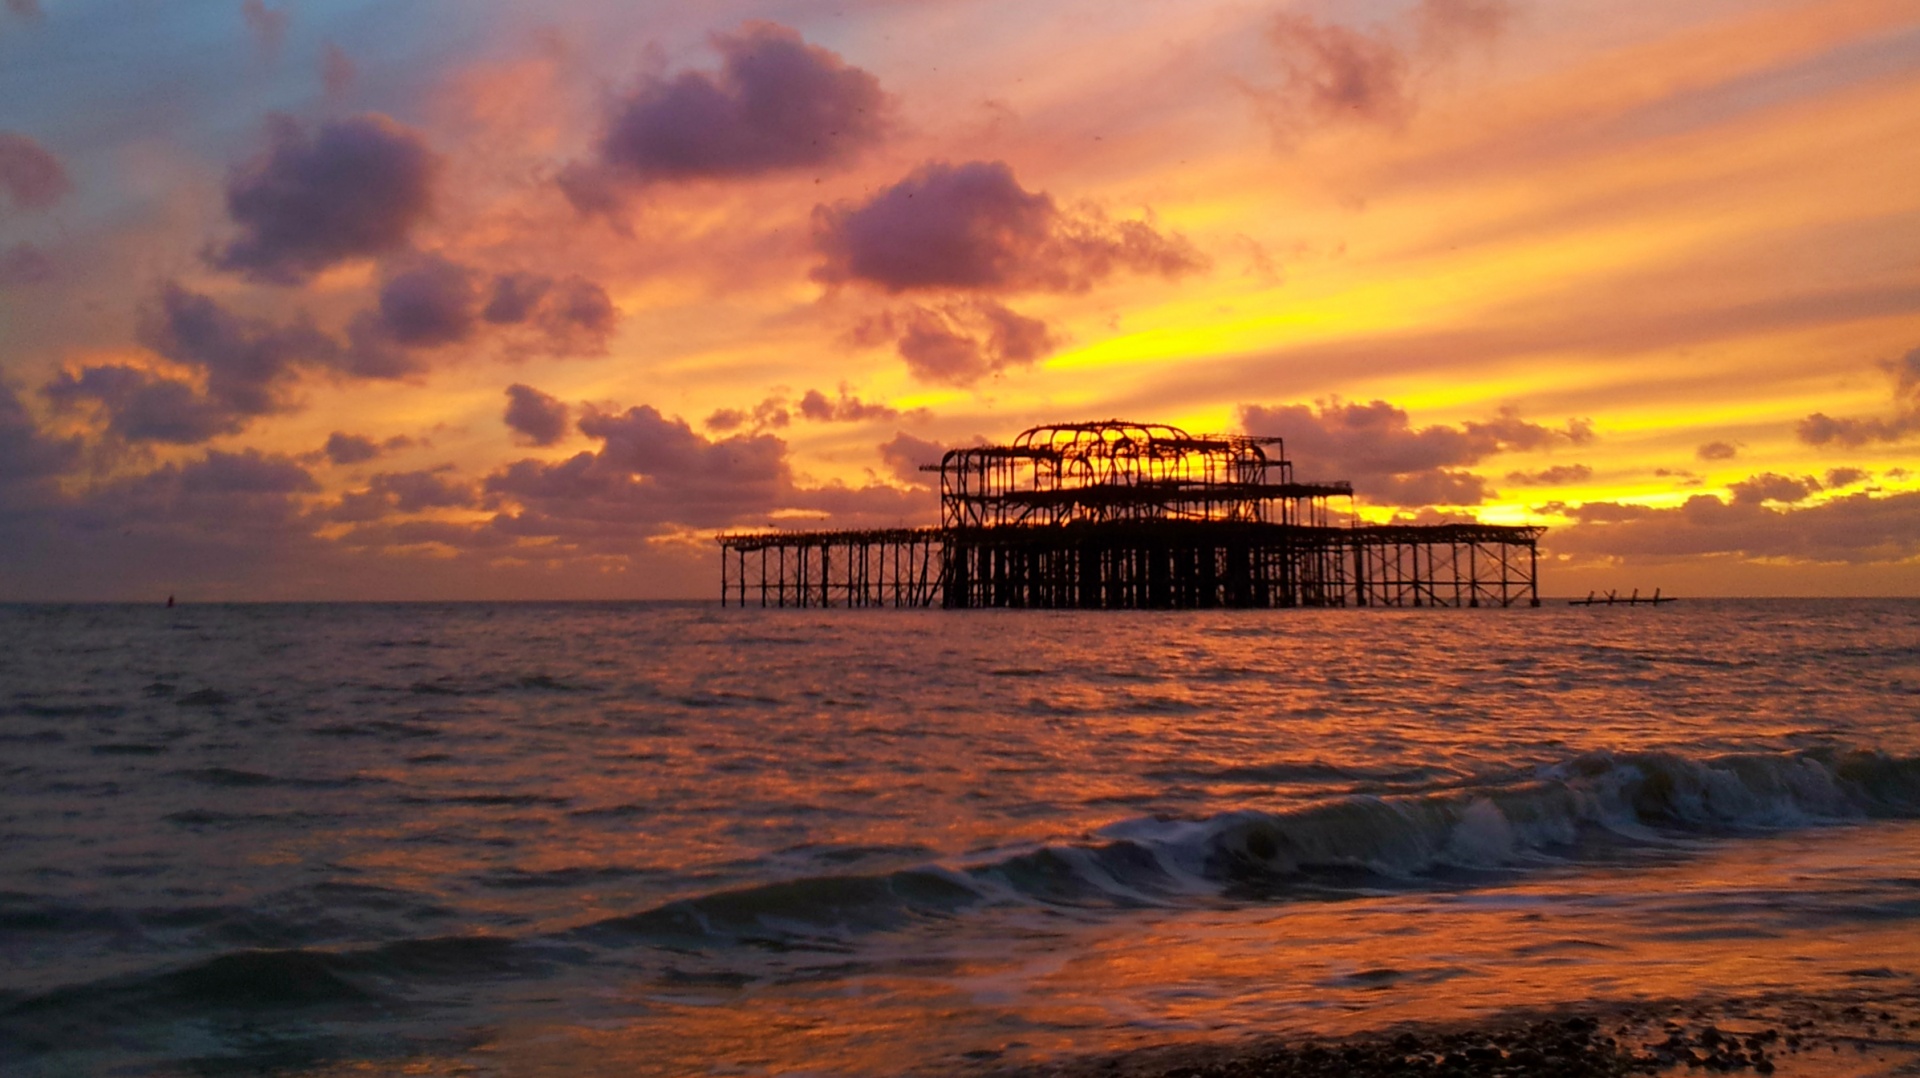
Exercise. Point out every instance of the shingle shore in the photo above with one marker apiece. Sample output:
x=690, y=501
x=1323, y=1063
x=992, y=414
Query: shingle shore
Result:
x=1783, y=1035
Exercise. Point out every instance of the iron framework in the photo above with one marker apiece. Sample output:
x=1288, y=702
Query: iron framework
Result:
x=1117, y=515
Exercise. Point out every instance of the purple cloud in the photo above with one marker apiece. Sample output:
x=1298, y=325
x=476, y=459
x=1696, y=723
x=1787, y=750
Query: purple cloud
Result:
x=776, y=103
x=31, y=176
x=1337, y=73
x=1771, y=487
x=649, y=473
x=537, y=418
x=24, y=264
x=26, y=9
x=1857, y=529
x=343, y=449
x=351, y=189
x=1390, y=461
x=1556, y=476
x=431, y=302
x=972, y=227
x=904, y=455
x=247, y=364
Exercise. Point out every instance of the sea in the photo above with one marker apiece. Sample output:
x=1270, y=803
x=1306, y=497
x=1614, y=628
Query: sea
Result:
x=678, y=839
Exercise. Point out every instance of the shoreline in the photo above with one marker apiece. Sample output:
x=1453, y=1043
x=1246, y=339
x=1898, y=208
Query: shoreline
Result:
x=1782, y=1034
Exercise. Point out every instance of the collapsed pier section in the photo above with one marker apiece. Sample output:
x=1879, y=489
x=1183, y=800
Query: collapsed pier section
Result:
x=1118, y=515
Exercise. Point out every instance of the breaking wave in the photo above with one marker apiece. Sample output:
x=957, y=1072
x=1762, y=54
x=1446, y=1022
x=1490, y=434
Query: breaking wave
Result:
x=1599, y=805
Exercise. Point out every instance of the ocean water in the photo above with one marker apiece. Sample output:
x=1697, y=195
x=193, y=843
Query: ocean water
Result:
x=676, y=839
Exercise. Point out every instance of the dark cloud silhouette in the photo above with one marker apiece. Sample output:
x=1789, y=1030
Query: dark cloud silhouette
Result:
x=353, y=188
x=267, y=25
x=1558, y=475
x=342, y=448
x=1772, y=487
x=140, y=406
x=904, y=455
x=1845, y=477
x=247, y=361
x=1857, y=529
x=248, y=366
x=537, y=418
x=388, y=493
x=961, y=343
x=776, y=103
x=1337, y=73
x=972, y=227
x=774, y=411
x=573, y=316
x=430, y=303
x=1716, y=451
x=27, y=455
x=844, y=408
x=1852, y=431
x=24, y=264
x=649, y=473
x=1390, y=461
x=1822, y=429
x=778, y=410
x=32, y=177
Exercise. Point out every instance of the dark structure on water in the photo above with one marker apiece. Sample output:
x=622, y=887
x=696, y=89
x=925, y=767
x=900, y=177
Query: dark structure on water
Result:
x=1133, y=515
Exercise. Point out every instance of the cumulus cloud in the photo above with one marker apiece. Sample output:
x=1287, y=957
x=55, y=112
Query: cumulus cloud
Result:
x=141, y=406
x=1557, y=476
x=1338, y=74
x=24, y=264
x=778, y=410
x=1852, y=431
x=960, y=343
x=1334, y=72
x=27, y=455
x=247, y=366
x=32, y=177
x=649, y=472
x=535, y=417
x=343, y=448
x=1858, y=528
x=247, y=361
x=1772, y=487
x=972, y=227
x=904, y=455
x=267, y=25
x=1392, y=462
x=429, y=302
x=844, y=408
x=350, y=189
x=777, y=103
x=388, y=493
x=1845, y=477
x=572, y=316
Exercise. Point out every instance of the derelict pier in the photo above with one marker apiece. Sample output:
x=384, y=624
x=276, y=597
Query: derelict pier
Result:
x=1117, y=515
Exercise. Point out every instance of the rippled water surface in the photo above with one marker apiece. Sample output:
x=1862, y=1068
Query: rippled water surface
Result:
x=677, y=839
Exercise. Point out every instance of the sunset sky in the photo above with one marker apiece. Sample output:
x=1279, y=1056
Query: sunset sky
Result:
x=313, y=299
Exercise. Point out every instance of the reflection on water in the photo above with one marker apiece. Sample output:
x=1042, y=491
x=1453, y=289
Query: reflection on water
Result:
x=654, y=839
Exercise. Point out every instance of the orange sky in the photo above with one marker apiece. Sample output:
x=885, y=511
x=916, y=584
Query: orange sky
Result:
x=1648, y=274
